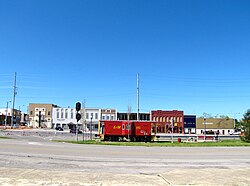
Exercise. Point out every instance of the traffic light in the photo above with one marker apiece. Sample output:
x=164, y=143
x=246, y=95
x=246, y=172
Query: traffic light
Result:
x=78, y=117
x=78, y=106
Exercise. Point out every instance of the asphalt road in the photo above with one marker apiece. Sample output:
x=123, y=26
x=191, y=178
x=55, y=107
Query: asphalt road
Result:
x=29, y=161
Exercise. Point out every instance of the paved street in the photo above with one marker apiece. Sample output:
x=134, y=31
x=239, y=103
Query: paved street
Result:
x=38, y=161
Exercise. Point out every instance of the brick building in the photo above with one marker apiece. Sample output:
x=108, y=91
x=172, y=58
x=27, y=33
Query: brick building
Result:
x=164, y=119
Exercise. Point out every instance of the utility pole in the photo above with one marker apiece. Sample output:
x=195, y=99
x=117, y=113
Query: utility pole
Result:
x=138, y=103
x=84, y=120
x=14, y=98
x=234, y=119
x=172, y=122
x=39, y=119
x=129, y=125
x=6, y=116
x=204, y=128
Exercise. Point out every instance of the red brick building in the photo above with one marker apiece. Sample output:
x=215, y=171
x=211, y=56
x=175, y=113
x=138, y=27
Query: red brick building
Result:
x=164, y=119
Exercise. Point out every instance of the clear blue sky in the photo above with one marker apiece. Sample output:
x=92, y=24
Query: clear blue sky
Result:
x=191, y=55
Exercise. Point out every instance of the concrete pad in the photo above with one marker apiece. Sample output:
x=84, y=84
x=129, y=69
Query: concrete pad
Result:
x=32, y=177
x=208, y=176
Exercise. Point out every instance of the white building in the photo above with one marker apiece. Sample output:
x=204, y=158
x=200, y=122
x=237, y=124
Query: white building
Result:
x=108, y=114
x=92, y=118
x=62, y=117
x=3, y=111
x=16, y=116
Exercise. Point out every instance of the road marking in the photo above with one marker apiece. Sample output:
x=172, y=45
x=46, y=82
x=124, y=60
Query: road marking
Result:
x=34, y=143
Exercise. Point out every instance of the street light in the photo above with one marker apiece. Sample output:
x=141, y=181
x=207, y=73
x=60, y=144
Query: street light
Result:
x=6, y=116
x=204, y=128
x=234, y=118
x=91, y=127
x=172, y=122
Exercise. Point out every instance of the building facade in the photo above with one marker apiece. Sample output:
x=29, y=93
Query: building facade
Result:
x=16, y=116
x=92, y=118
x=108, y=114
x=133, y=116
x=164, y=119
x=189, y=124
x=40, y=115
x=212, y=125
x=63, y=117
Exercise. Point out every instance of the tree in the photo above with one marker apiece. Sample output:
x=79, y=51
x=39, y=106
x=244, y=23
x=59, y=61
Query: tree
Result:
x=224, y=117
x=206, y=115
x=246, y=126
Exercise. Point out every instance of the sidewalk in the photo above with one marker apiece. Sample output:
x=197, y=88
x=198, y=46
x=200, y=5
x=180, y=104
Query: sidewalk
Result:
x=209, y=176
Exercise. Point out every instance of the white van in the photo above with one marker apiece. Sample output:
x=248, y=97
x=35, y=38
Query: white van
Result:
x=235, y=132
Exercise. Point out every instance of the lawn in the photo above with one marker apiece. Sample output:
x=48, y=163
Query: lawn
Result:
x=225, y=143
x=3, y=137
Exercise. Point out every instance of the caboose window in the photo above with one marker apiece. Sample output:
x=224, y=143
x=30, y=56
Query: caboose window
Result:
x=123, y=127
x=128, y=126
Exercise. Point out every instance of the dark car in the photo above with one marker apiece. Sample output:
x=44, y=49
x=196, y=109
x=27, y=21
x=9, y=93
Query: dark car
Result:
x=59, y=128
x=210, y=132
x=74, y=131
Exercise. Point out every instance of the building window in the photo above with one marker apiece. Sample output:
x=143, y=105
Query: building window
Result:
x=48, y=113
x=107, y=117
x=62, y=113
x=57, y=114
x=87, y=115
x=112, y=117
x=66, y=114
x=92, y=116
x=180, y=119
x=103, y=117
x=72, y=114
x=31, y=113
x=96, y=115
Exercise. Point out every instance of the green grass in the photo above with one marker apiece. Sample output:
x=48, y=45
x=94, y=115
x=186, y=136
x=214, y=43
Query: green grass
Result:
x=225, y=143
x=3, y=137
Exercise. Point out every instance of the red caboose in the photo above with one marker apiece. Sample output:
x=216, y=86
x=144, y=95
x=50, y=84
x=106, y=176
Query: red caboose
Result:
x=125, y=130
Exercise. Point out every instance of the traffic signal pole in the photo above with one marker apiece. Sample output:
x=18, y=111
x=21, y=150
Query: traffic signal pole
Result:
x=78, y=117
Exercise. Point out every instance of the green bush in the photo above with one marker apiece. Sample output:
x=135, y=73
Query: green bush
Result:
x=246, y=127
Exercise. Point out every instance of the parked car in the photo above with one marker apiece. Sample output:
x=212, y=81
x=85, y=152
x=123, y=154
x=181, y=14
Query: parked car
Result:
x=74, y=131
x=59, y=128
x=235, y=132
x=210, y=132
